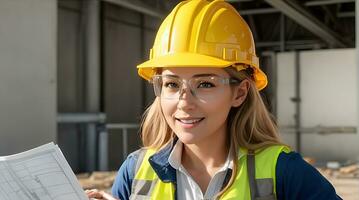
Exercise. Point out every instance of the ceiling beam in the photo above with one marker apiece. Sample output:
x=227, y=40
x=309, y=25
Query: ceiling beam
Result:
x=346, y=14
x=233, y=1
x=308, y=21
x=139, y=7
x=326, y=2
x=258, y=11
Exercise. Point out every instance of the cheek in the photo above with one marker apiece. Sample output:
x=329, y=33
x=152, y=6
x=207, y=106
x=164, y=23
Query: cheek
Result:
x=219, y=110
x=168, y=109
x=221, y=103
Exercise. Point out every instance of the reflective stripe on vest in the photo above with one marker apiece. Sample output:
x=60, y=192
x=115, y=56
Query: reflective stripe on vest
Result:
x=249, y=184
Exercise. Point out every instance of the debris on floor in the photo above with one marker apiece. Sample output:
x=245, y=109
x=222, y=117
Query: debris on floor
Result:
x=97, y=180
x=345, y=179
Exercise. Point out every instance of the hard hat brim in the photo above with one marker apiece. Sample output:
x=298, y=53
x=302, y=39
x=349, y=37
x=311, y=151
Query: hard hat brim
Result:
x=147, y=69
x=180, y=60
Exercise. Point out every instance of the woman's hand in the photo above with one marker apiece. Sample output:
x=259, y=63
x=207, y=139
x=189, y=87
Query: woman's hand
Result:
x=97, y=194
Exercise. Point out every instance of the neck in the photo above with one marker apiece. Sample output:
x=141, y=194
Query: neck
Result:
x=206, y=154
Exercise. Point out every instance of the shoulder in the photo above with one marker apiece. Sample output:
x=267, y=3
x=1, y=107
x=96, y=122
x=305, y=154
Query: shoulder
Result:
x=121, y=187
x=296, y=179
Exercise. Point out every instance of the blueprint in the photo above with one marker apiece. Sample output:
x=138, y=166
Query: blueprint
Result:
x=38, y=174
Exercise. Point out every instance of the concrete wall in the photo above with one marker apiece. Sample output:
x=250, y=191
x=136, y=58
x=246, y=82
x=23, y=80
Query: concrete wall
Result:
x=71, y=82
x=127, y=38
x=328, y=98
x=28, y=31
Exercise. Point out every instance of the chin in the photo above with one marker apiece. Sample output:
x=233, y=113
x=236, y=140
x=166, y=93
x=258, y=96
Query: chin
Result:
x=188, y=138
x=188, y=141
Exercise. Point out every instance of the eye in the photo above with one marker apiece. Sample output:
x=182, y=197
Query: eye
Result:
x=170, y=85
x=205, y=85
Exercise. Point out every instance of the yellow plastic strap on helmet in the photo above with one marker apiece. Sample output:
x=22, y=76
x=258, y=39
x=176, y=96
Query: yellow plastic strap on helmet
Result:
x=200, y=33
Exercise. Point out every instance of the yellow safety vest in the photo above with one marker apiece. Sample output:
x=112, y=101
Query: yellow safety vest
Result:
x=250, y=184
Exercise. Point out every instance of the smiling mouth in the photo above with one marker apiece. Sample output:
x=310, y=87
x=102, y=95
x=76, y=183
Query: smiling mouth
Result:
x=190, y=121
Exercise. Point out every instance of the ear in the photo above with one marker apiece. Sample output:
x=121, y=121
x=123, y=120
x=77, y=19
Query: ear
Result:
x=240, y=93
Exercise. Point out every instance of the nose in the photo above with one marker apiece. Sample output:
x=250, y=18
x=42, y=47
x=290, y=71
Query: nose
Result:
x=186, y=99
x=186, y=92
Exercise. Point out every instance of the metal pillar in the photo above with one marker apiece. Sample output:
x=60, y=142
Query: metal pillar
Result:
x=297, y=100
x=282, y=32
x=253, y=27
x=271, y=58
x=357, y=51
x=103, y=151
x=124, y=128
x=91, y=16
x=143, y=49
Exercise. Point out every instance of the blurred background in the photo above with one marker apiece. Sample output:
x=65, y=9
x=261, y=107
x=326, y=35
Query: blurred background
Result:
x=68, y=74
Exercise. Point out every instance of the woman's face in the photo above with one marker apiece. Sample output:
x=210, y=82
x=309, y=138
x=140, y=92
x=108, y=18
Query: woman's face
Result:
x=201, y=114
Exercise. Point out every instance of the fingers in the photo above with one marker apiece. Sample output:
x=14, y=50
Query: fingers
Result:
x=107, y=196
x=94, y=193
x=97, y=194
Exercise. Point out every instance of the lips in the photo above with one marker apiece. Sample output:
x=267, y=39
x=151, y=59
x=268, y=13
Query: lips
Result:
x=189, y=120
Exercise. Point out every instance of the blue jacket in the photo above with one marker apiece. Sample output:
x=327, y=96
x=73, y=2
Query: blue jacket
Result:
x=296, y=179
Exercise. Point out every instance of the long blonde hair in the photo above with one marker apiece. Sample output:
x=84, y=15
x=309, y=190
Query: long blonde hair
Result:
x=250, y=125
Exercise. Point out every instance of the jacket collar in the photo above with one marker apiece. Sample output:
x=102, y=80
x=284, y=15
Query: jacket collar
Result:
x=160, y=164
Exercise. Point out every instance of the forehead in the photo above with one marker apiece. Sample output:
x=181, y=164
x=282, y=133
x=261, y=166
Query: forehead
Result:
x=186, y=72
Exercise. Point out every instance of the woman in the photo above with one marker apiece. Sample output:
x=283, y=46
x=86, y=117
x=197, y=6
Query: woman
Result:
x=208, y=134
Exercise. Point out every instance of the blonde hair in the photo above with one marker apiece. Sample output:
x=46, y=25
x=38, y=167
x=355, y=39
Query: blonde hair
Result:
x=250, y=125
x=155, y=132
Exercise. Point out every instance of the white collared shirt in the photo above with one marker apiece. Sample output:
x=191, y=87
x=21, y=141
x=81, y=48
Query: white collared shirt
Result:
x=187, y=188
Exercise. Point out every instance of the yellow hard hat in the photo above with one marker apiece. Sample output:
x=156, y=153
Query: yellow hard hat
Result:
x=200, y=33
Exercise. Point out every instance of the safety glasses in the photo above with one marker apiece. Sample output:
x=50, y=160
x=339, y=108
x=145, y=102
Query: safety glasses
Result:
x=203, y=87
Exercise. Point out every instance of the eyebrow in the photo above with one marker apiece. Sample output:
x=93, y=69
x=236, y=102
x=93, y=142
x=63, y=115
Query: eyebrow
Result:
x=194, y=76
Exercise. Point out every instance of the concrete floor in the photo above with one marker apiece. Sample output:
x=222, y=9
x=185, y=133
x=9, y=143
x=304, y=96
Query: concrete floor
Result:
x=346, y=187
